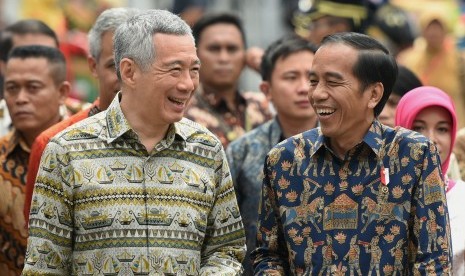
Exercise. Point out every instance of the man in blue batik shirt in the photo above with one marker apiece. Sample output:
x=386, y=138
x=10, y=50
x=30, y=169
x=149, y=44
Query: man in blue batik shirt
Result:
x=352, y=196
x=284, y=68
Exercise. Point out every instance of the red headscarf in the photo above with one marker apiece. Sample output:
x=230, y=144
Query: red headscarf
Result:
x=420, y=98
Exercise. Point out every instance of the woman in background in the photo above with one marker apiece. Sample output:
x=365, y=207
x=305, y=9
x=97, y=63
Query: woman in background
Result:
x=431, y=112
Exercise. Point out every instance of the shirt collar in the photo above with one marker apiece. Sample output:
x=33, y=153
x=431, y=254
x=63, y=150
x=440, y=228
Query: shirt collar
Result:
x=373, y=139
x=213, y=99
x=15, y=140
x=94, y=108
x=319, y=142
x=117, y=125
x=276, y=131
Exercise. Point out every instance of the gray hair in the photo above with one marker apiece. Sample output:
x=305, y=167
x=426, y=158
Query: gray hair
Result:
x=107, y=21
x=134, y=38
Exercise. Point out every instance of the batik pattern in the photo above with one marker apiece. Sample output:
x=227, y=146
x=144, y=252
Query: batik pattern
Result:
x=13, y=234
x=103, y=205
x=320, y=215
x=250, y=110
x=246, y=157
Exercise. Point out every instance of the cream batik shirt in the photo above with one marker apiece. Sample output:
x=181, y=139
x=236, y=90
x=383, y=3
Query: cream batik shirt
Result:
x=103, y=205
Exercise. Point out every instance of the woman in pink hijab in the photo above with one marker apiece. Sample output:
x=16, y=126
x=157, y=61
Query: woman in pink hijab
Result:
x=431, y=112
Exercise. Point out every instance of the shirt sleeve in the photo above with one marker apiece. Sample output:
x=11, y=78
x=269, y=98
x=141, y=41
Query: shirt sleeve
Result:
x=224, y=244
x=231, y=155
x=49, y=247
x=270, y=257
x=431, y=242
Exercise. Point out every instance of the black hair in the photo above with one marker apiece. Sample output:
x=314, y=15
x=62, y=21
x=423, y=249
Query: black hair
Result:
x=23, y=27
x=406, y=81
x=282, y=48
x=53, y=56
x=374, y=63
x=216, y=18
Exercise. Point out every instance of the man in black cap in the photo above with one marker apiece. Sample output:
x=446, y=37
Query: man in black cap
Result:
x=331, y=16
x=325, y=17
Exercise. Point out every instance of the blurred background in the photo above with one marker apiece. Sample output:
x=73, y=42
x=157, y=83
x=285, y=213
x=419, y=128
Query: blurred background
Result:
x=264, y=21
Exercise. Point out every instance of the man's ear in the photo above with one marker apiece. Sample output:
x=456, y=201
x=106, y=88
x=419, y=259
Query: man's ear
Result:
x=265, y=88
x=64, y=89
x=2, y=67
x=92, y=65
x=127, y=68
x=376, y=91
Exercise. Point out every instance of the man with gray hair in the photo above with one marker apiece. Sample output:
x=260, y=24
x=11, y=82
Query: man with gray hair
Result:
x=138, y=189
x=102, y=65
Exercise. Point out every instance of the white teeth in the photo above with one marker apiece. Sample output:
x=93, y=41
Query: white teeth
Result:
x=323, y=111
x=178, y=101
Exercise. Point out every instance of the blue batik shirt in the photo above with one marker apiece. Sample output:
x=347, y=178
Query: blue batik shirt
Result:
x=246, y=156
x=322, y=215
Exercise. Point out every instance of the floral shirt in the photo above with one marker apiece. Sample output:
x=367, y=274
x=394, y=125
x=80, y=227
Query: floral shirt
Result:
x=380, y=210
x=104, y=205
x=14, y=154
x=251, y=110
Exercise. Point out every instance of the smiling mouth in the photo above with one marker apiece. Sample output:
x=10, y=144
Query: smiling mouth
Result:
x=325, y=111
x=177, y=101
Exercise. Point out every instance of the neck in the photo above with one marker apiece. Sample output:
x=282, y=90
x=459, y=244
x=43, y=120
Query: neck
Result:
x=30, y=136
x=439, y=47
x=149, y=134
x=227, y=94
x=341, y=145
x=291, y=127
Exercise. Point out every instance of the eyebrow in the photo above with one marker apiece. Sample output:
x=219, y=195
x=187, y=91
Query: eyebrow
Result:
x=178, y=62
x=328, y=74
x=424, y=122
x=15, y=81
x=334, y=75
x=291, y=71
x=110, y=61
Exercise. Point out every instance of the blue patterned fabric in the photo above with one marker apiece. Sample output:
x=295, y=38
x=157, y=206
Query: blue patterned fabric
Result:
x=320, y=215
x=246, y=156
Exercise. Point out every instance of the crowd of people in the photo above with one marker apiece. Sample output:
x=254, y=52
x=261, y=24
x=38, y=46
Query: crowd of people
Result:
x=348, y=159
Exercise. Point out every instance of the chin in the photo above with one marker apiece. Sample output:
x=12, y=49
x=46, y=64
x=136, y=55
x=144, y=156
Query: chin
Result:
x=174, y=119
x=326, y=131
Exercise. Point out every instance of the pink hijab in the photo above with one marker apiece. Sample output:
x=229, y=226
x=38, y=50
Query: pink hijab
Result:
x=418, y=99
